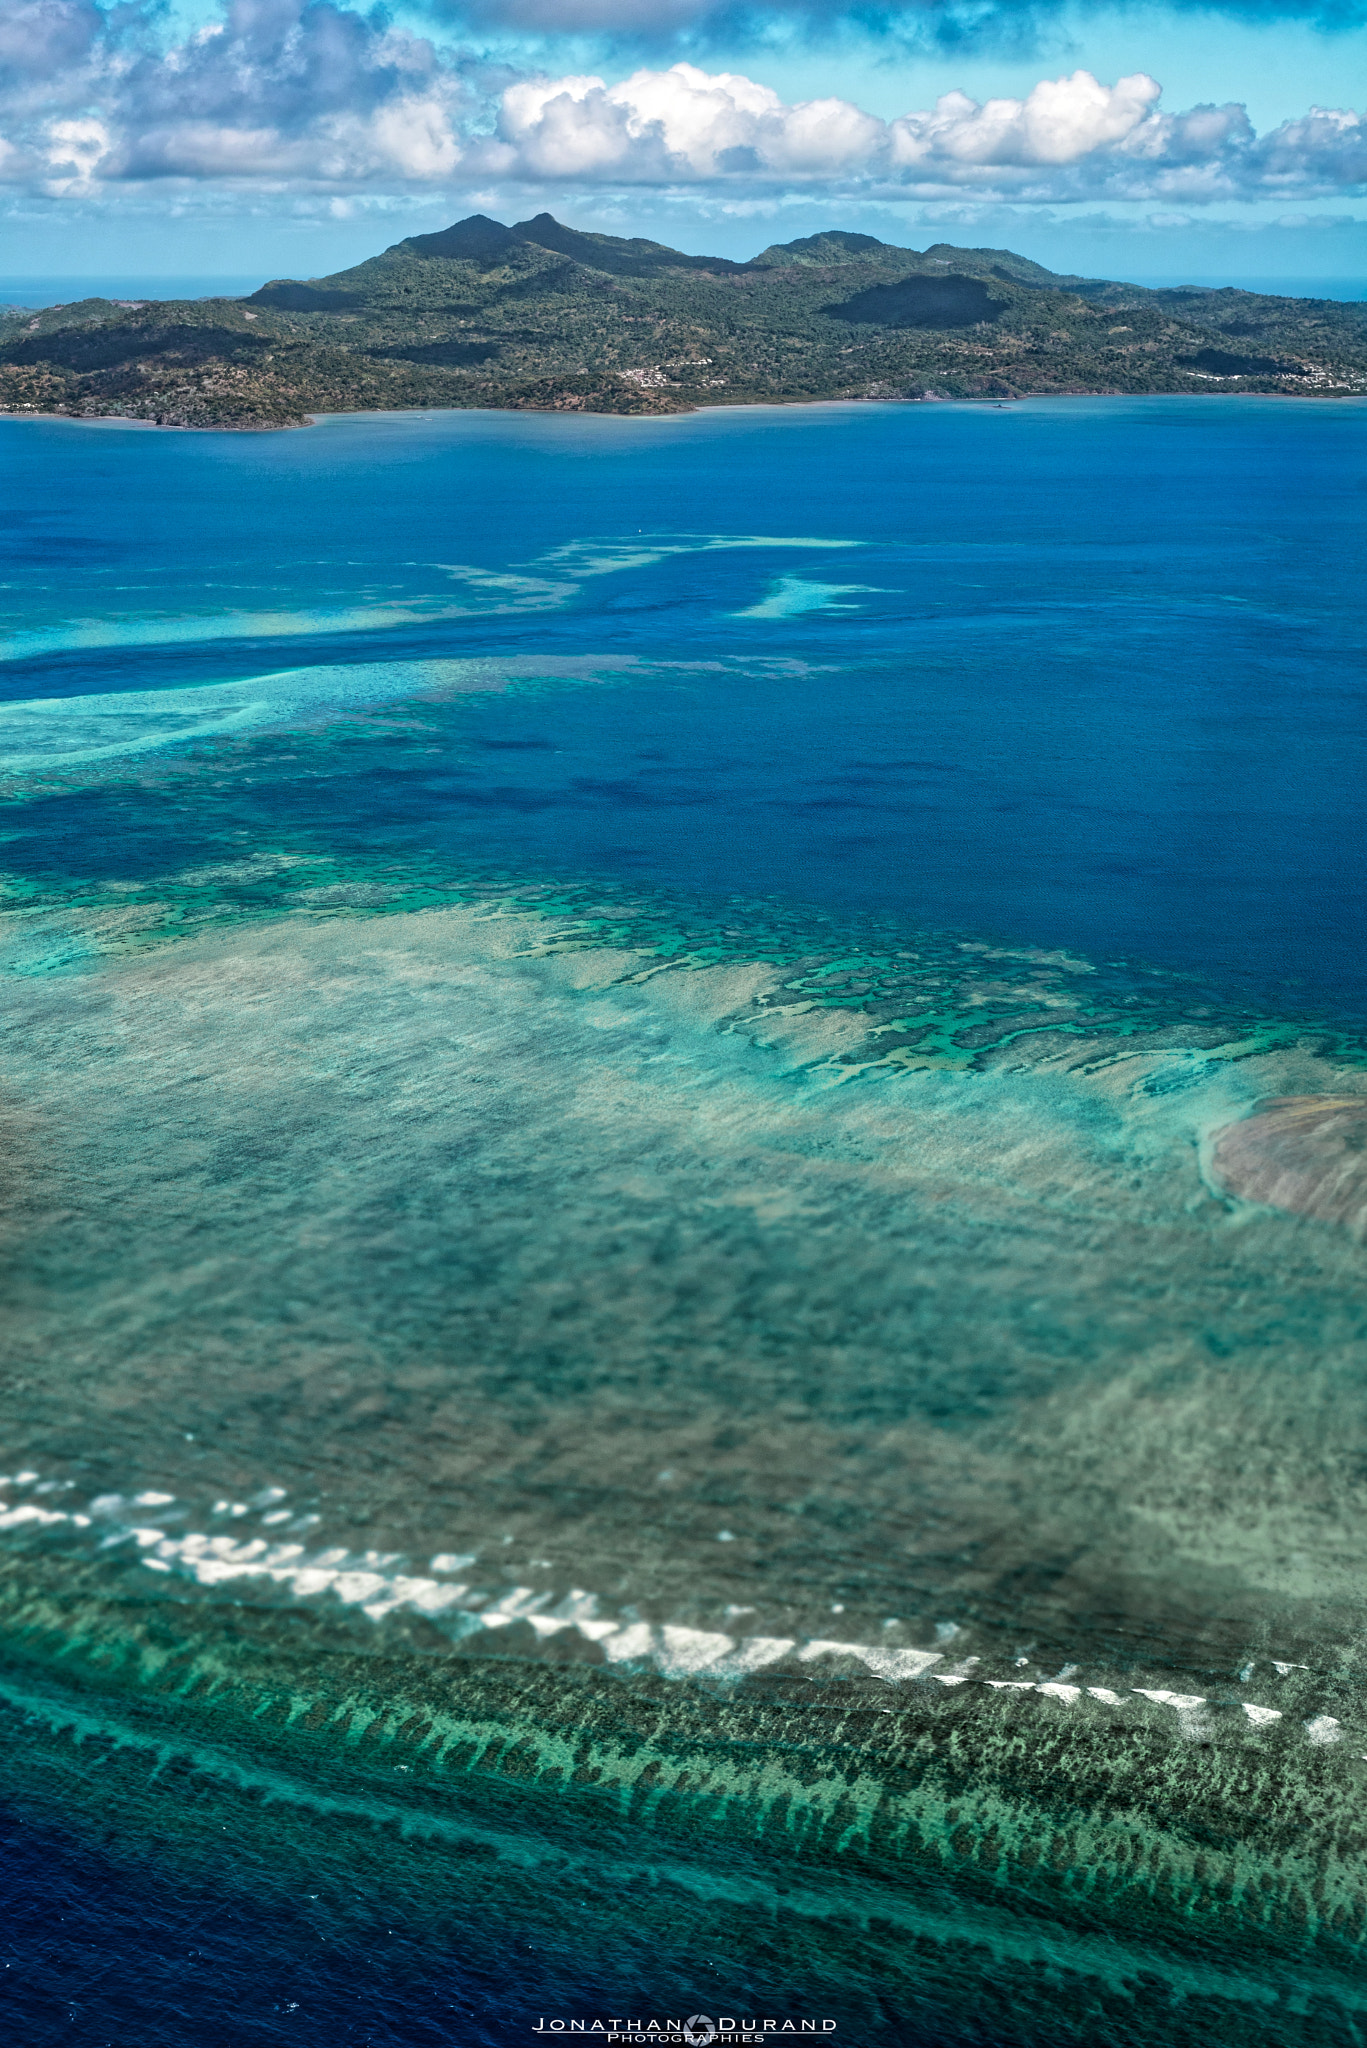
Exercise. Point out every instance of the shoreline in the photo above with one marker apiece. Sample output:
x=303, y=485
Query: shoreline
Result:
x=985, y=401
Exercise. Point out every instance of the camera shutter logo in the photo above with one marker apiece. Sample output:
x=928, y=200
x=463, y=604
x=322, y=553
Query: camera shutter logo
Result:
x=699, y=2029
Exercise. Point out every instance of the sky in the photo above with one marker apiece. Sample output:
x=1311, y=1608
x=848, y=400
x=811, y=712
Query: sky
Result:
x=246, y=139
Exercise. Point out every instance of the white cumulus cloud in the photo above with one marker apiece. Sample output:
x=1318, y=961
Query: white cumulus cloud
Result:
x=307, y=92
x=1061, y=121
x=314, y=96
x=1068, y=138
x=680, y=123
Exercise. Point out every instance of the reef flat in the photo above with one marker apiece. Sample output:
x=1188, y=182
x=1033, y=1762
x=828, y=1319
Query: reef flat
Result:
x=1144, y=1792
x=629, y=1161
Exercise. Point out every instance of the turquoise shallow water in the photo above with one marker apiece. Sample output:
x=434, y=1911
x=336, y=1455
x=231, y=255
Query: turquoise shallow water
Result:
x=612, y=1038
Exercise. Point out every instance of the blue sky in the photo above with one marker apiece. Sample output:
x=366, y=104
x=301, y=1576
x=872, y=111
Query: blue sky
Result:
x=250, y=138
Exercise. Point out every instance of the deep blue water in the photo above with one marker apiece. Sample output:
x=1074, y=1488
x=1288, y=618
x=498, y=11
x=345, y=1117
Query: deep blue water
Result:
x=90, y=1958
x=1078, y=679
x=1098, y=681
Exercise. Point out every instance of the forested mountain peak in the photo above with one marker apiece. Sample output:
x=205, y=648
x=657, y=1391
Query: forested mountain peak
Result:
x=539, y=315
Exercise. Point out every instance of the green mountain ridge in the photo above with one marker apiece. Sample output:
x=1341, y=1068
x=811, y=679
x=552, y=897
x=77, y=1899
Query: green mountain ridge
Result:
x=541, y=316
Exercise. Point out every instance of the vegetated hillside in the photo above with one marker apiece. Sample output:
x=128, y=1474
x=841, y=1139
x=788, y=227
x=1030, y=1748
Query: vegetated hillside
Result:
x=543, y=316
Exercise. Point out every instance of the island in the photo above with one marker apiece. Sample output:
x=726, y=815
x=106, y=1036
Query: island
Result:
x=545, y=317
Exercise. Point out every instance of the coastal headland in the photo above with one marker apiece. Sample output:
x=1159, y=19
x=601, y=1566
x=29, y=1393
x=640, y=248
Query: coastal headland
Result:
x=542, y=317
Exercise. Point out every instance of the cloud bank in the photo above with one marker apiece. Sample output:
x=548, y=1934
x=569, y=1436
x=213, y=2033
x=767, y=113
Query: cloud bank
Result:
x=297, y=91
x=313, y=96
x=1068, y=139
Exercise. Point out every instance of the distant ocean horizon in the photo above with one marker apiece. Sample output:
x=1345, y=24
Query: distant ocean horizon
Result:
x=39, y=291
x=47, y=290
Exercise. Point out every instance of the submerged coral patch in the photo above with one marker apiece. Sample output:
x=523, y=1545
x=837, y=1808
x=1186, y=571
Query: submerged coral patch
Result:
x=1305, y=1153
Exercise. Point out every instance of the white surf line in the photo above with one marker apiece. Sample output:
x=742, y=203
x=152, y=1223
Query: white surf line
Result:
x=366, y=1580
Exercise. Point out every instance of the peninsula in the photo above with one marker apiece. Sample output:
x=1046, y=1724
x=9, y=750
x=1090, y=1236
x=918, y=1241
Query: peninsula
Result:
x=543, y=317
